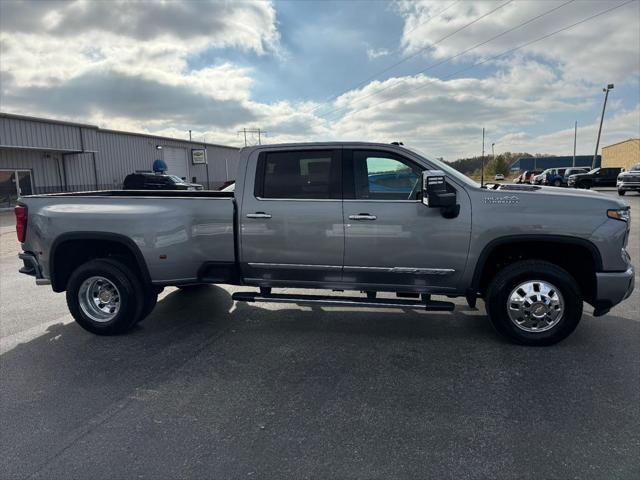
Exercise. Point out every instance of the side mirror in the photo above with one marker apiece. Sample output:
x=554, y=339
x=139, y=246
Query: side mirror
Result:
x=435, y=195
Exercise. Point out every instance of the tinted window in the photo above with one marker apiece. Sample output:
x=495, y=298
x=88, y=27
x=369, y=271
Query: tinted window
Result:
x=311, y=175
x=382, y=176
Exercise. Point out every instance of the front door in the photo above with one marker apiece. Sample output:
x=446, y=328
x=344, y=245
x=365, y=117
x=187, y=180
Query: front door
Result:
x=392, y=240
x=291, y=219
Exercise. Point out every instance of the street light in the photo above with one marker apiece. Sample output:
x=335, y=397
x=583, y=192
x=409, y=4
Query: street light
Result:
x=493, y=155
x=604, y=105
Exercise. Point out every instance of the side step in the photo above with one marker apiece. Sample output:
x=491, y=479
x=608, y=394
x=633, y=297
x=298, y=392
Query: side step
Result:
x=429, y=305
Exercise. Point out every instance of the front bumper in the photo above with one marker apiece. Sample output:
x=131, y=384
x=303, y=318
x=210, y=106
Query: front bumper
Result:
x=32, y=267
x=612, y=288
x=628, y=186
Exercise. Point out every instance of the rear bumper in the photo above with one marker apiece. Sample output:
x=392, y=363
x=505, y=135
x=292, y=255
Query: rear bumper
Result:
x=613, y=288
x=32, y=267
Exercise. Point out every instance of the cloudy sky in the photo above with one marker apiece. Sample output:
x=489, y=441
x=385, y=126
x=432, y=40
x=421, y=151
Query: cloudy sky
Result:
x=430, y=74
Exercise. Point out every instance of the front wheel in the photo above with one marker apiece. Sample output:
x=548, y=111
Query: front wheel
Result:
x=621, y=192
x=105, y=297
x=557, y=183
x=533, y=302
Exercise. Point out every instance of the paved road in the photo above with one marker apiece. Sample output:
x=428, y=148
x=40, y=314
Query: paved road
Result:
x=208, y=389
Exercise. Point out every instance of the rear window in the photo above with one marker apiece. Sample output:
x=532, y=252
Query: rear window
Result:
x=298, y=175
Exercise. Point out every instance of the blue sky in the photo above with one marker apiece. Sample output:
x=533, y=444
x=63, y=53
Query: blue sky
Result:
x=311, y=70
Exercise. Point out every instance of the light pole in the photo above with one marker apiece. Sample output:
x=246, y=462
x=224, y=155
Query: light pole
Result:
x=604, y=105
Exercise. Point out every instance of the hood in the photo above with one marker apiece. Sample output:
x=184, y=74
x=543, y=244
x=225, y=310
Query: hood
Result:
x=559, y=194
x=634, y=173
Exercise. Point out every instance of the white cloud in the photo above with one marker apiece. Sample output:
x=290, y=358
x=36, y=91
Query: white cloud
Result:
x=373, y=53
x=620, y=126
x=602, y=50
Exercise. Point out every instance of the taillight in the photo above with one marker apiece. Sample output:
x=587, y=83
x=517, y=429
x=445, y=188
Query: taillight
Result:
x=21, y=222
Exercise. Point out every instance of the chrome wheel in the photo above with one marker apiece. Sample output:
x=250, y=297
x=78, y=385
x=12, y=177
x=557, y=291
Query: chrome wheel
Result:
x=99, y=299
x=535, y=306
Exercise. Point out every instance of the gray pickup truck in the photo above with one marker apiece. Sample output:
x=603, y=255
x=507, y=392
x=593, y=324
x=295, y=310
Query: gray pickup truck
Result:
x=380, y=220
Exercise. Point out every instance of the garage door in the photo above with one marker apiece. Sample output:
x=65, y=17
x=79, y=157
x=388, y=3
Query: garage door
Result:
x=176, y=160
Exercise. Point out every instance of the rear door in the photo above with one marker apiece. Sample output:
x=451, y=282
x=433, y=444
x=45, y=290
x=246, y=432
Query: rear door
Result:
x=291, y=220
x=392, y=240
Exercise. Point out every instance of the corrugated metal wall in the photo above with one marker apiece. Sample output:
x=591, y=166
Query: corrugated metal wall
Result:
x=17, y=132
x=116, y=155
x=45, y=167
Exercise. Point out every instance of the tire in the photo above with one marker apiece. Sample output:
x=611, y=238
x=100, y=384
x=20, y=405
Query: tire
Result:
x=150, y=300
x=121, y=287
x=585, y=185
x=557, y=183
x=502, y=294
x=621, y=192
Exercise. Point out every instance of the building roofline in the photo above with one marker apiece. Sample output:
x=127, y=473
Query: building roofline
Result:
x=623, y=141
x=107, y=130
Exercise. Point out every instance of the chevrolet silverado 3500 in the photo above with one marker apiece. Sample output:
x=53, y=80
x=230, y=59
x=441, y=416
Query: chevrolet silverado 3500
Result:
x=346, y=216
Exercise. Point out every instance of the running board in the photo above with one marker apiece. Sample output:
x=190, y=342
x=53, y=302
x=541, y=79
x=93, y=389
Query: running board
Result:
x=430, y=305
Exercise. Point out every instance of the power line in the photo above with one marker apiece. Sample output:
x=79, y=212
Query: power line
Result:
x=448, y=59
x=511, y=50
x=416, y=53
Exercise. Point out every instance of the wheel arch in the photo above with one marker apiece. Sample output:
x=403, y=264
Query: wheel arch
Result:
x=92, y=245
x=529, y=247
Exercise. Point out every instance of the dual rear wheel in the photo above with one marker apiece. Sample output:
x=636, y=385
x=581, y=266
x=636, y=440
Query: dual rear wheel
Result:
x=106, y=297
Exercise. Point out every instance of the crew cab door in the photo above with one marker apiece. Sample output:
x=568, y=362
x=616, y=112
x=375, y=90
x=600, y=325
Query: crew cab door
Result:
x=291, y=218
x=392, y=240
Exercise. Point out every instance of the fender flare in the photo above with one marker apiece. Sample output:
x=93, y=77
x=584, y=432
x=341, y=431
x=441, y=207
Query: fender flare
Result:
x=102, y=236
x=512, y=239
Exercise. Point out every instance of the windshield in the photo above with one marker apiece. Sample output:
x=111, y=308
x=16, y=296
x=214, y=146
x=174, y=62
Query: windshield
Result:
x=446, y=168
x=636, y=168
x=594, y=170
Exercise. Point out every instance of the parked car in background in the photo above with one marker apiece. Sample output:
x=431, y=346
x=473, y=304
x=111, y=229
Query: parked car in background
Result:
x=629, y=181
x=558, y=177
x=157, y=181
x=527, y=177
x=539, y=179
x=553, y=176
x=598, y=177
x=518, y=178
x=499, y=176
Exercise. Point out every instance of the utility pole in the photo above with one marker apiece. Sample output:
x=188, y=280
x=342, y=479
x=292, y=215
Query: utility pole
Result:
x=189, y=135
x=604, y=105
x=259, y=131
x=482, y=169
x=575, y=138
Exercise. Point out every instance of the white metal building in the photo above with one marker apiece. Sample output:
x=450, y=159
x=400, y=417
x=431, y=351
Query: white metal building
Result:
x=39, y=155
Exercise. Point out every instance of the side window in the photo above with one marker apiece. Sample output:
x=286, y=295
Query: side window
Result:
x=298, y=175
x=383, y=176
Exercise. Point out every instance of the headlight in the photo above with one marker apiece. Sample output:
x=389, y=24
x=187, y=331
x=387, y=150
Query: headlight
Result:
x=623, y=214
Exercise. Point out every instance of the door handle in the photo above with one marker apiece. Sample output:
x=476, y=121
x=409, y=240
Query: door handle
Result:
x=362, y=216
x=258, y=215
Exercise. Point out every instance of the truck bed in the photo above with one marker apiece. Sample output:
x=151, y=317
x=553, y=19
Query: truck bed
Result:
x=180, y=234
x=140, y=193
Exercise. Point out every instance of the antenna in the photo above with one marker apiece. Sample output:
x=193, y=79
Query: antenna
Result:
x=482, y=169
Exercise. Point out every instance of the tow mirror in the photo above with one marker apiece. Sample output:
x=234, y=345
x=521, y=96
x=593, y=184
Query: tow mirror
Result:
x=435, y=195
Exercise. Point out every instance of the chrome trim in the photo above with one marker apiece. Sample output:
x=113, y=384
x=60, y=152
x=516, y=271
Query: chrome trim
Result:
x=416, y=271
x=294, y=266
x=362, y=217
x=379, y=200
x=258, y=215
x=298, y=199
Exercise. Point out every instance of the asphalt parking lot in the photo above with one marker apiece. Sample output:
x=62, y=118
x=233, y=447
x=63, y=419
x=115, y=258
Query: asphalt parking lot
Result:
x=205, y=388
